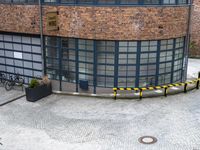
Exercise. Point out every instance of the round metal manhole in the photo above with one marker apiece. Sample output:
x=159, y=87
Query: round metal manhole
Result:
x=147, y=140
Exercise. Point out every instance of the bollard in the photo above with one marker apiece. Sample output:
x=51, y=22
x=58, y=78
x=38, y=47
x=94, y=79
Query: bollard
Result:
x=185, y=88
x=140, y=93
x=199, y=75
x=197, y=86
x=115, y=94
x=166, y=91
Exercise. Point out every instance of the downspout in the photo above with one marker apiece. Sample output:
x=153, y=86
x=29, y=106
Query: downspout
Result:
x=41, y=38
x=188, y=38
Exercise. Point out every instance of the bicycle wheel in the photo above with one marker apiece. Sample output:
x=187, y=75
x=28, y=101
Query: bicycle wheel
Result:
x=19, y=81
x=2, y=78
x=8, y=86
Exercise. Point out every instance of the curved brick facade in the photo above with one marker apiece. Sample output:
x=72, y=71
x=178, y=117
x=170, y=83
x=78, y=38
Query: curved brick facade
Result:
x=110, y=23
x=97, y=47
x=19, y=18
x=195, y=23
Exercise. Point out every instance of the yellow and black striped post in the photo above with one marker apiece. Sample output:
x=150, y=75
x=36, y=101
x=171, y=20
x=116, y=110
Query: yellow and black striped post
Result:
x=141, y=93
x=185, y=88
x=115, y=93
x=197, y=85
x=165, y=87
x=166, y=91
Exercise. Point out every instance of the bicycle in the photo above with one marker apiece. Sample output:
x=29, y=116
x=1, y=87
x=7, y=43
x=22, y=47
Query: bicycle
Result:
x=17, y=81
x=2, y=78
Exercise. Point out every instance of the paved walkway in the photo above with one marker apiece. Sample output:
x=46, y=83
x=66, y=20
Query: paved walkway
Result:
x=193, y=68
x=6, y=96
x=80, y=123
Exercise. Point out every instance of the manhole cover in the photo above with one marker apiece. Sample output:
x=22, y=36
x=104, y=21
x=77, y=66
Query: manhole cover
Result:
x=147, y=140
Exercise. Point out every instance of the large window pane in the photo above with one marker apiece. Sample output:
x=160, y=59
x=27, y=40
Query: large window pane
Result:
x=105, y=61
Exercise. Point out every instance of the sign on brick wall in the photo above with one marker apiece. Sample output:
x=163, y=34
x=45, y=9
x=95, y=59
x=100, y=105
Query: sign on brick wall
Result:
x=52, y=21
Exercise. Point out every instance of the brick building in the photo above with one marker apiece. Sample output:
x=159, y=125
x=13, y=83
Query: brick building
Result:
x=94, y=45
x=195, y=30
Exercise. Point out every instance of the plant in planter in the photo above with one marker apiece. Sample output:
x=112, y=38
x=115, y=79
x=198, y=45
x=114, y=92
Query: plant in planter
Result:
x=34, y=83
x=38, y=89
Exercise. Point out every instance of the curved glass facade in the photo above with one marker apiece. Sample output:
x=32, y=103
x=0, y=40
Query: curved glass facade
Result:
x=115, y=63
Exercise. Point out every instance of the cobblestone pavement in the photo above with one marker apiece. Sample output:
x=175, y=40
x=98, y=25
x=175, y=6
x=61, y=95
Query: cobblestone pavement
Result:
x=81, y=123
x=6, y=96
x=193, y=68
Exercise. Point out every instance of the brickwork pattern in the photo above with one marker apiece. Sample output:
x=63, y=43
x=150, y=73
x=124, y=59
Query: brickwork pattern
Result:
x=121, y=23
x=19, y=18
x=195, y=23
x=110, y=23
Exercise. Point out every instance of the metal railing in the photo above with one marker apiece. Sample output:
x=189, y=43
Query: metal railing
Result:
x=165, y=87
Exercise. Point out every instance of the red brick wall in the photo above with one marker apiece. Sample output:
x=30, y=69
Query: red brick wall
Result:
x=111, y=23
x=19, y=18
x=195, y=26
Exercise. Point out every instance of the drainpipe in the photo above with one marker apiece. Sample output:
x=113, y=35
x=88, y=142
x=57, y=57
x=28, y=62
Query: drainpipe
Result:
x=188, y=37
x=41, y=37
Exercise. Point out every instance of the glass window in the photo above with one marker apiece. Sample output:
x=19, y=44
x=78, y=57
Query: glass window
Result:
x=51, y=41
x=52, y=52
x=85, y=1
x=68, y=60
x=177, y=76
x=152, y=70
x=148, y=58
x=105, y=63
x=127, y=64
x=49, y=1
x=52, y=57
x=164, y=79
x=151, y=1
x=147, y=46
x=19, y=55
x=129, y=1
x=68, y=1
x=169, y=1
x=106, y=1
x=182, y=1
x=85, y=57
x=166, y=45
x=147, y=81
x=179, y=42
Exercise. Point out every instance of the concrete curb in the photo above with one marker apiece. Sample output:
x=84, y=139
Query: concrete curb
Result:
x=149, y=94
x=13, y=99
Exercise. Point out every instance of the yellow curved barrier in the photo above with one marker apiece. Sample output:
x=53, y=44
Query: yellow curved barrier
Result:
x=165, y=87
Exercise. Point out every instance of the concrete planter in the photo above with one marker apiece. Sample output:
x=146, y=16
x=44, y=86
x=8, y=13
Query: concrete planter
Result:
x=35, y=94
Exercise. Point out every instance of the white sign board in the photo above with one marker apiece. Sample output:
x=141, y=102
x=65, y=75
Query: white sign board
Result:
x=18, y=55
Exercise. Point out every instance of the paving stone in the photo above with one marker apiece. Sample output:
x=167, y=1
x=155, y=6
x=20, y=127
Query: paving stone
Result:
x=81, y=123
x=9, y=95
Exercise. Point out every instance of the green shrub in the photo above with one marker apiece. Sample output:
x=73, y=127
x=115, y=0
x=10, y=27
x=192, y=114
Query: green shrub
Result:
x=34, y=83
